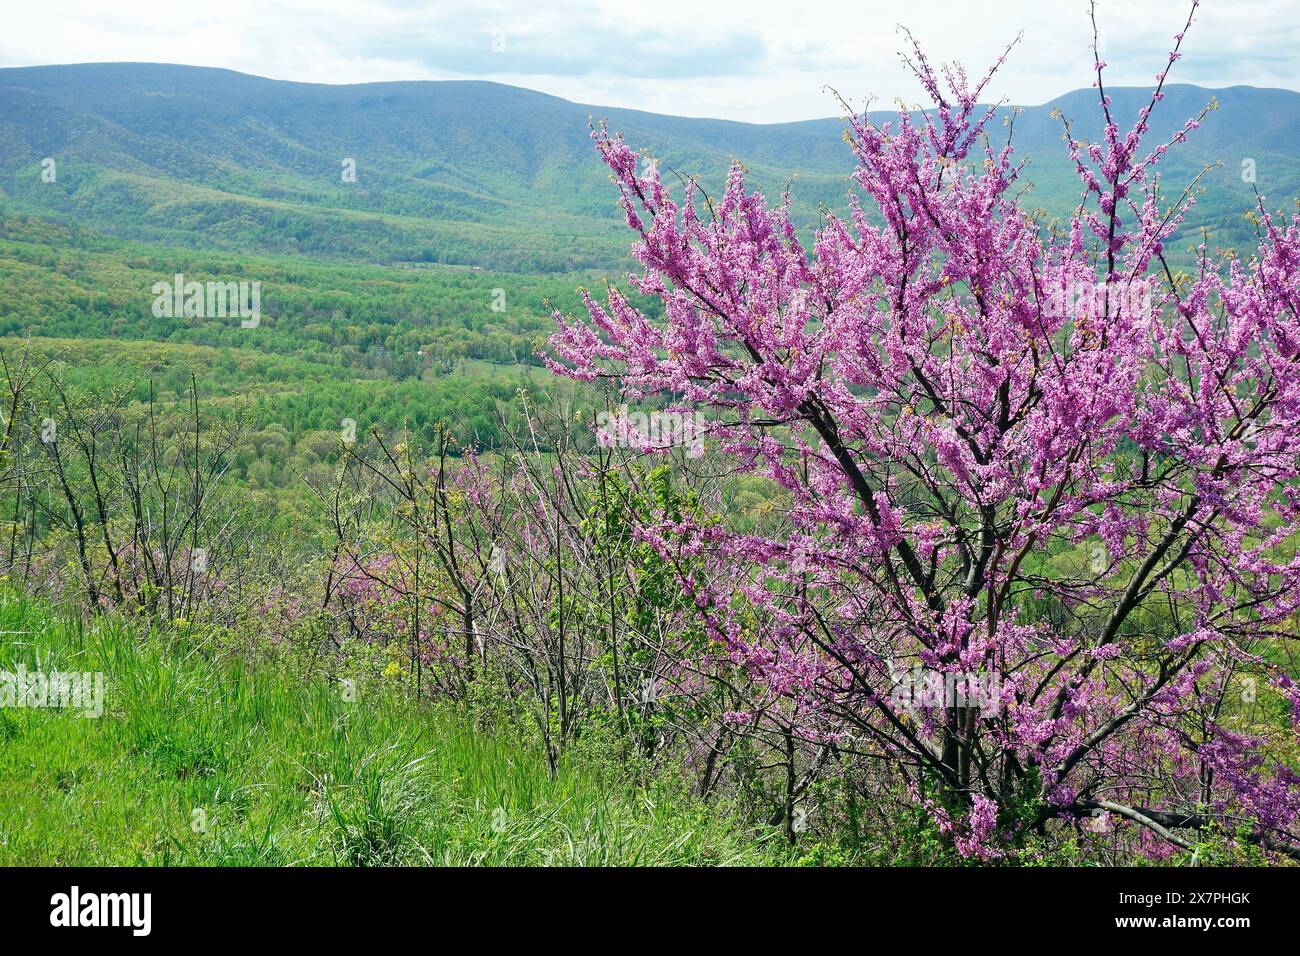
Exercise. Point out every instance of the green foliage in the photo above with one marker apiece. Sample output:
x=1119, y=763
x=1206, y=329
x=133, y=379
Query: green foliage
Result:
x=492, y=176
x=204, y=758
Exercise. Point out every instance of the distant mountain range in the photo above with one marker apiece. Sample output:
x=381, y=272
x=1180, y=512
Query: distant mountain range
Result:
x=489, y=175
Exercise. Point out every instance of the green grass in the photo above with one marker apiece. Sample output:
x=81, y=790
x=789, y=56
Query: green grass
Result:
x=203, y=760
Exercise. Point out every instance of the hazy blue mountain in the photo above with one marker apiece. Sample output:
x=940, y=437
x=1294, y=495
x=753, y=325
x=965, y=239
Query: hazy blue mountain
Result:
x=486, y=174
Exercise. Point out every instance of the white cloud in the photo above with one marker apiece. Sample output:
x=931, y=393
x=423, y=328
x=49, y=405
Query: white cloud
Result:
x=758, y=61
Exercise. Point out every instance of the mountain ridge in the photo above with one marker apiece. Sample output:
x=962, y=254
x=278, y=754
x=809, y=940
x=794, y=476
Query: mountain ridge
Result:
x=481, y=173
x=226, y=71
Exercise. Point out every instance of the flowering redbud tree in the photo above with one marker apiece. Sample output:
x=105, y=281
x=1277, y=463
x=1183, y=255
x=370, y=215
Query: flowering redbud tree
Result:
x=1031, y=470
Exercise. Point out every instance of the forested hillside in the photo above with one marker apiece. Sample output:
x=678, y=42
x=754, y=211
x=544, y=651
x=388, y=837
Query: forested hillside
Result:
x=422, y=291
x=491, y=175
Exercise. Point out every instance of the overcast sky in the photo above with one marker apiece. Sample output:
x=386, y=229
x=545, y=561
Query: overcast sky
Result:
x=760, y=61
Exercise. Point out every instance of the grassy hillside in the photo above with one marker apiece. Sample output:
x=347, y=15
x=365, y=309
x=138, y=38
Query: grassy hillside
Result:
x=206, y=759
